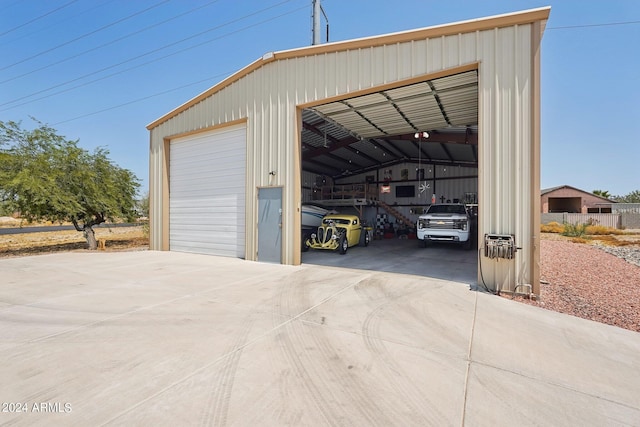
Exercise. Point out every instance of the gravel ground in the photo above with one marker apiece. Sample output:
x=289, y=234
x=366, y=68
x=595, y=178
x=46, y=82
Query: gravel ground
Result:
x=595, y=282
x=627, y=253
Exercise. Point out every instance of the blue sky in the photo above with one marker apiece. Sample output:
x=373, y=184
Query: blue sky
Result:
x=100, y=70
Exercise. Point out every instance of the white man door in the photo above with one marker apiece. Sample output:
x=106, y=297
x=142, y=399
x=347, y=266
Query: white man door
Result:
x=270, y=224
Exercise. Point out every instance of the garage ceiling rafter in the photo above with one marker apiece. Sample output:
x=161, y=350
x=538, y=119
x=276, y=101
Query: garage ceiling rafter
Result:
x=377, y=130
x=359, y=153
x=321, y=168
x=442, y=109
x=399, y=147
x=388, y=147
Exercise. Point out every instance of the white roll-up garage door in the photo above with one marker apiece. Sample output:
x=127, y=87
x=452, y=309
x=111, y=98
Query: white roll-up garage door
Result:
x=207, y=192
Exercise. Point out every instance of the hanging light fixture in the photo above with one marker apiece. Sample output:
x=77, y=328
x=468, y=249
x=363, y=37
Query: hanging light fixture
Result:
x=419, y=135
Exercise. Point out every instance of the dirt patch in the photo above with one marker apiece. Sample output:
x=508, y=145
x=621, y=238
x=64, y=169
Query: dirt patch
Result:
x=116, y=239
x=7, y=221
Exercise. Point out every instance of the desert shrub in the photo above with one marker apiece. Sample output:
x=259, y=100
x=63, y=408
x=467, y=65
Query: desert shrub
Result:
x=552, y=227
x=574, y=230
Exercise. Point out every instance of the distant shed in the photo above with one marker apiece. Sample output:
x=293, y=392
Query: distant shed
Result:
x=569, y=199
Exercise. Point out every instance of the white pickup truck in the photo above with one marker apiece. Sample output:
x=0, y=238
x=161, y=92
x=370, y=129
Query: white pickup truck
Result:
x=447, y=222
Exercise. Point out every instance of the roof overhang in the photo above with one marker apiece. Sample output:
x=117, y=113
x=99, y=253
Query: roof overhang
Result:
x=497, y=21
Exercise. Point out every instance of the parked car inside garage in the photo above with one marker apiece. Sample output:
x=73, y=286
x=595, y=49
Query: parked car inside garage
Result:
x=338, y=232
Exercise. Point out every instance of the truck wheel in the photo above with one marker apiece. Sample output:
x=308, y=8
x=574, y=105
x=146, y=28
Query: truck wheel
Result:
x=367, y=238
x=343, y=244
x=305, y=244
x=424, y=243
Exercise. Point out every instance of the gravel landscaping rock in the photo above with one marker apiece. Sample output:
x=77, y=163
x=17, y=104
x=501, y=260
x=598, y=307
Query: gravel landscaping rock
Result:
x=628, y=253
x=600, y=283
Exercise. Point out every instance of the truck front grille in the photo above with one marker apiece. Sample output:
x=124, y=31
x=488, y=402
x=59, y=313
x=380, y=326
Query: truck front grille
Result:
x=446, y=224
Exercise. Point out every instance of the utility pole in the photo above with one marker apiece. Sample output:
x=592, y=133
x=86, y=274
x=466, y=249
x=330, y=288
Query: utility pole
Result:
x=315, y=30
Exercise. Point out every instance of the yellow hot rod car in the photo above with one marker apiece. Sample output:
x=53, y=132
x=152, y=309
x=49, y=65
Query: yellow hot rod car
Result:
x=338, y=232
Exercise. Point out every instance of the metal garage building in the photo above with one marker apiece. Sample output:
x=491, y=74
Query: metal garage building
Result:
x=229, y=162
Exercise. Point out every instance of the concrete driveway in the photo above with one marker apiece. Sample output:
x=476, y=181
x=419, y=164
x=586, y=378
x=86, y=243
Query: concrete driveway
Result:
x=160, y=338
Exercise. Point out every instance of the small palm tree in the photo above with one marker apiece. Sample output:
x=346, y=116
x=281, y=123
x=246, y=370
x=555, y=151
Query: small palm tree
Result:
x=602, y=193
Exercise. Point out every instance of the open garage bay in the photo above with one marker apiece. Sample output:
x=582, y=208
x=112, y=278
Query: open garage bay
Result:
x=406, y=256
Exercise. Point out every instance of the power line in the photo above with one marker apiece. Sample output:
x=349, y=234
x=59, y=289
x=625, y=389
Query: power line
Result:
x=55, y=23
x=38, y=18
x=198, y=45
x=143, y=98
x=569, y=27
x=140, y=65
x=108, y=43
x=146, y=54
x=84, y=35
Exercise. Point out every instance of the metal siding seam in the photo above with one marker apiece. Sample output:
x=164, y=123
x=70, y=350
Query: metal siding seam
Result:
x=536, y=40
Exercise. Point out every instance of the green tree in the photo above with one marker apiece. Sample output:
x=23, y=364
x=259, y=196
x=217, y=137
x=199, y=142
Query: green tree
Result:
x=143, y=206
x=602, y=193
x=633, y=197
x=143, y=210
x=46, y=177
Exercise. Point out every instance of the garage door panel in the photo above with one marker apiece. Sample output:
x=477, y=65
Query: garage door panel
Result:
x=224, y=215
x=230, y=203
x=192, y=192
x=207, y=193
x=229, y=225
x=196, y=239
x=219, y=162
x=209, y=248
x=231, y=229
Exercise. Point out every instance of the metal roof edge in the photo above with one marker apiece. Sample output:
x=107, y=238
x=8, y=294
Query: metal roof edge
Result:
x=472, y=25
x=460, y=27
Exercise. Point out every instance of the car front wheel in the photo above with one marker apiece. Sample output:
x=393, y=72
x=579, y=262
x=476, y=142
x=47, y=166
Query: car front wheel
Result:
x=305, y=242
x=343, y=244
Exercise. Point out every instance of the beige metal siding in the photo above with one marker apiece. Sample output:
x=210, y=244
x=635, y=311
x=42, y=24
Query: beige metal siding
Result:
x=267, y=93
x=504, y=146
